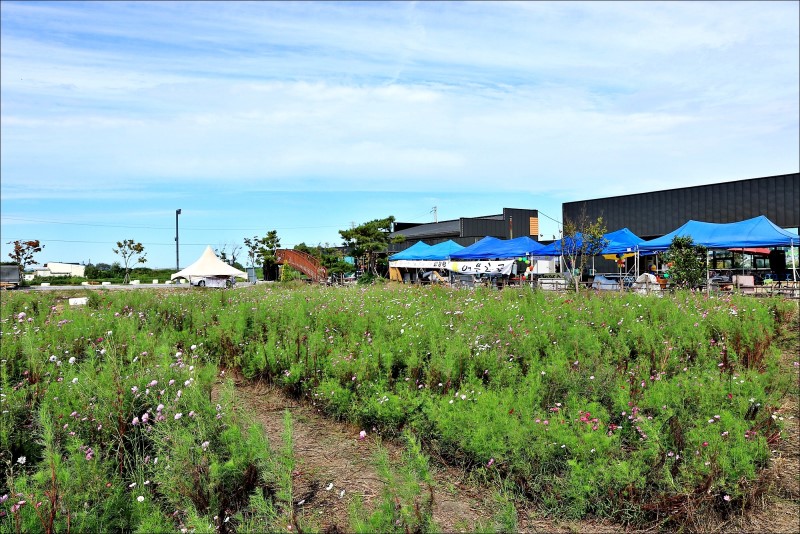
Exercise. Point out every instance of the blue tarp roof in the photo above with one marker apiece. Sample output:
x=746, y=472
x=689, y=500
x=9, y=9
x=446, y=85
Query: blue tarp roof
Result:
x=475, y=248
x=412, y=252
x=617, y=242
x=622, y=241
x=756, y=232
x=491, y=247
x=565, y=243
x=440, y=251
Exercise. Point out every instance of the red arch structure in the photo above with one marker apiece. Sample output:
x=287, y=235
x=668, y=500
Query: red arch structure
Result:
x=303, y=262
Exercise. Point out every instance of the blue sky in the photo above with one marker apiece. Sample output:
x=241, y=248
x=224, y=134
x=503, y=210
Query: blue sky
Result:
x=307, y=117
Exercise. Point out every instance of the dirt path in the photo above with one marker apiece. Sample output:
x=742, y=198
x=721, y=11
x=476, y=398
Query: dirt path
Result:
x=329, y=454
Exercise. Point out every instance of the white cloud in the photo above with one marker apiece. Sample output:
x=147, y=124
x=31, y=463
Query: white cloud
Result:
x=530, y=96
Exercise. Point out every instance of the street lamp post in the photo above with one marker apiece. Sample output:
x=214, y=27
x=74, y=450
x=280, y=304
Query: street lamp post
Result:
x=177, y=253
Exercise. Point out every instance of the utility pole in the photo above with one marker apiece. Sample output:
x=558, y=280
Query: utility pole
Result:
x=177, y=250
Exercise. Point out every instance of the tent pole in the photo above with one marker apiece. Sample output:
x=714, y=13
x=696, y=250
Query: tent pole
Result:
x=794, y=267
x=708, y=276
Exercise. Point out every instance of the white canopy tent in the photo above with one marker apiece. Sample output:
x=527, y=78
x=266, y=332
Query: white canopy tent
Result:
x=209, y=266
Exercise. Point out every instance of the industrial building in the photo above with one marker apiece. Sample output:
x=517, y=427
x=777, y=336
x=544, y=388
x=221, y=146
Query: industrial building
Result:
x=656, y=213
x=465, y=231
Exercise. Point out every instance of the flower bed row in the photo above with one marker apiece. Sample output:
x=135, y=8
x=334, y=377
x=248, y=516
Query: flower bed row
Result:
x=620, y=406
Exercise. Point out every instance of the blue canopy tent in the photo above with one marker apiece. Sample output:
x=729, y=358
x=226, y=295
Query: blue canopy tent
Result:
x=411, y=253
x=618, y=243
x=441, y=251
x=565, y=243
x=410, y=264
x=491, y=247
x=622, y=242
x=756, y=232
x=475, y=250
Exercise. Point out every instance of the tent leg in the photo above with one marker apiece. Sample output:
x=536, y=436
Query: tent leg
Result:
x=794, y=270
x=708, y=276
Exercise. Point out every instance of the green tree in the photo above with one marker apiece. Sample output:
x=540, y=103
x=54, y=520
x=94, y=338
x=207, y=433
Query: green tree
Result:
x=268, y=245
x=252, y=250
x=132, y=253
x=583, y=238
x=687, y=262
x=91, y=272
x=261, y=250
x=369, y=239
x=23, y=252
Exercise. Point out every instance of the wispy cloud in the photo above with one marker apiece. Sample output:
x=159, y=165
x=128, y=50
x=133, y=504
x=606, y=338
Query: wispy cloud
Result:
x=136, y=100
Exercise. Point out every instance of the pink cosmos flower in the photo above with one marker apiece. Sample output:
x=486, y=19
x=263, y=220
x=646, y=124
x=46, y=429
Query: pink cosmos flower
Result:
x=362, y=435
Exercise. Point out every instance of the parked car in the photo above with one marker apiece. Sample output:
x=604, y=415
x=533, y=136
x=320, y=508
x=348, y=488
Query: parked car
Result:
x=213, y=281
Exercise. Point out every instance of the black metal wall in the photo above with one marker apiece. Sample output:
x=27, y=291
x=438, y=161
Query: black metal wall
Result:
x=657, y=213
x=483, y=227
x=521, y=222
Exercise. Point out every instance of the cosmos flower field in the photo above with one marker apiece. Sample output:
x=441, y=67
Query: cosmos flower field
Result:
x=619, y=406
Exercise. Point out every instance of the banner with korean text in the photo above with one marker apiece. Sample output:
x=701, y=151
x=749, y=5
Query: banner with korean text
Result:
x=493, y=268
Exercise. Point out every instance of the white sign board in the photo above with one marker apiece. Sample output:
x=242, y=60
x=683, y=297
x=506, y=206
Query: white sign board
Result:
x=493, y=267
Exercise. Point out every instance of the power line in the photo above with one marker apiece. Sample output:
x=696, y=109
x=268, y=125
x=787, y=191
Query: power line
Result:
x=172, y=244
x=546, y=215
x=140, y=227
x=414, y=219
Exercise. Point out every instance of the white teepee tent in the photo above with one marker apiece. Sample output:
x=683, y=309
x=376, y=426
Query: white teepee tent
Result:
x=209, y=266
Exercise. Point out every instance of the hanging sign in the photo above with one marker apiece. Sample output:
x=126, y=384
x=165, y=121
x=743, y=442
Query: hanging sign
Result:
x=504, y=267
x=420, y=264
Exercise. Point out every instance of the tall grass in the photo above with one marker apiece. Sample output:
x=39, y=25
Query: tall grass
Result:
x=613, y=405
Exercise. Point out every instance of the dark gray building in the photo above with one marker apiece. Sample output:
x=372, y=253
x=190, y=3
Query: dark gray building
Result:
x=657, y=213
x=467, y=230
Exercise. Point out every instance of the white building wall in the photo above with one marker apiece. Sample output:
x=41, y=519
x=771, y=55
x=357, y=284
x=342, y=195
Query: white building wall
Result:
x=62, y=269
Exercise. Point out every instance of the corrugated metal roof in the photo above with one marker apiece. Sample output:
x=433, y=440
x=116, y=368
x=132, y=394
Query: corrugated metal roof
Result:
x=444, y=228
